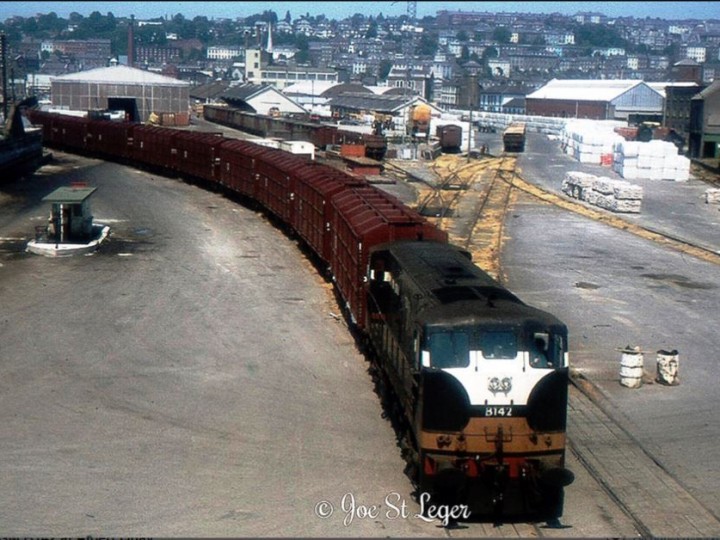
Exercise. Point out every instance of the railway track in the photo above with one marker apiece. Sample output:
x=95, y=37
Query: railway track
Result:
x=476, y=195
x=469, y=199
x=505, y=530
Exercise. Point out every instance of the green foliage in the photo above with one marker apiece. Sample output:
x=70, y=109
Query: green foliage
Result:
x=501, y=34
x=97, y=25
x=150, y=35
x=384, y=68
x=356, y=20
x=489, y=52
x=428, y=44
x=673, y=50
x=303, y=54
x=598, y=35
x=50, y=24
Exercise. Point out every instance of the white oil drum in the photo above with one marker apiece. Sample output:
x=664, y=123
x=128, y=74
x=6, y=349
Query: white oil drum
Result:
x=631, y=368
x=668, y=366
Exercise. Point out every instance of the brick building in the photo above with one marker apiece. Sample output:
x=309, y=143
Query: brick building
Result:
x=595, y=99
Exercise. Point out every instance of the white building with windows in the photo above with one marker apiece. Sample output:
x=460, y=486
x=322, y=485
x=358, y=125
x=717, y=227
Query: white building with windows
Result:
x=220, y=52
x=699, y=54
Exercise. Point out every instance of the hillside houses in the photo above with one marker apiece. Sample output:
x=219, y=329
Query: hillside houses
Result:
x=456, y=60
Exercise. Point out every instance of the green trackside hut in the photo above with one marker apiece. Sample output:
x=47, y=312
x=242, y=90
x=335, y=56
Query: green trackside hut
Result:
x=70, y=217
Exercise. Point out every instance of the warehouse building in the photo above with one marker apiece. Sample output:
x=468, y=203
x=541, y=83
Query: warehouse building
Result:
x=705, y=123
x=390, y=105
x=596, y=99
x=138, y=92
x=261, y=99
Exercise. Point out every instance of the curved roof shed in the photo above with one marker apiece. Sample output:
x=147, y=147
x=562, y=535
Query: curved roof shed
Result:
x=136, y=91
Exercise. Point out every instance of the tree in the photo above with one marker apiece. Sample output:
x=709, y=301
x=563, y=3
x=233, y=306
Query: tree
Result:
x=288, y=19
x=269, y=16
x=303, y=54
x=371, y=31
x=384, y=68
x=502, y=35
x=489, y=52
x=356, y=20
x=428, y=45
x=462, y=35
x=598, y=35
x=202, y=28
x=672, y=50
x=50, y=23
x=29, y=25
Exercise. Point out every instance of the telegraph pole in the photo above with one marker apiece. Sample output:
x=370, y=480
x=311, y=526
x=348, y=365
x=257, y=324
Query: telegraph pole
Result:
x=3, y=59
x=470, y=130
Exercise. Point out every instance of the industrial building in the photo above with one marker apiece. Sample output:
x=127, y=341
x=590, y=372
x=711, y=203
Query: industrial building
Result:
x=261, y=99
x=605, y=99
x=705, y=123
x=398, y=107
x=138, y=92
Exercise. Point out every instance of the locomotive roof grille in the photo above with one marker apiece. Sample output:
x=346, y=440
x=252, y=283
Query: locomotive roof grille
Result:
x=447, y=295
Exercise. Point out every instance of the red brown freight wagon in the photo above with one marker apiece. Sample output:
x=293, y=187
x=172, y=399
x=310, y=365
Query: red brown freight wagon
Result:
x=276, y=182
x=154, y=146
x=316, y=185
x=69, y=133
x=197, y=154
x=109, y=139
x=362, y=218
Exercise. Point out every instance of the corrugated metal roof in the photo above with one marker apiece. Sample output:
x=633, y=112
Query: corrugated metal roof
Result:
x=346, y=88
x=371, y=102
x=584, y=89
x=710, y=90
x=686, y=62
x=121, y=75
x=379, y=90
x=245, y=91
x=659, y=87
x=308, y=88
x=209, y=91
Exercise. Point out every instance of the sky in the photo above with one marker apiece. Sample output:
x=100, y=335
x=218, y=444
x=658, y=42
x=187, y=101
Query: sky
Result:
x=342, y=9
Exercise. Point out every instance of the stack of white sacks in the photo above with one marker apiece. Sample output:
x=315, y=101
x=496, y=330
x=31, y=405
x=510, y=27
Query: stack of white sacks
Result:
x=596, y=143
x=653, y=160
x=588, y=141
x=604, y=192
x=712, y=196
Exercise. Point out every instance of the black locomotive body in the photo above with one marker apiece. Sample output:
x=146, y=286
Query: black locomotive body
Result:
x=479, y=379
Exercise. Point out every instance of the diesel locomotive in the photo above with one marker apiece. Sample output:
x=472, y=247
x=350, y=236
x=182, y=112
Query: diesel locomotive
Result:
x=475, y=380
x=479, y=379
